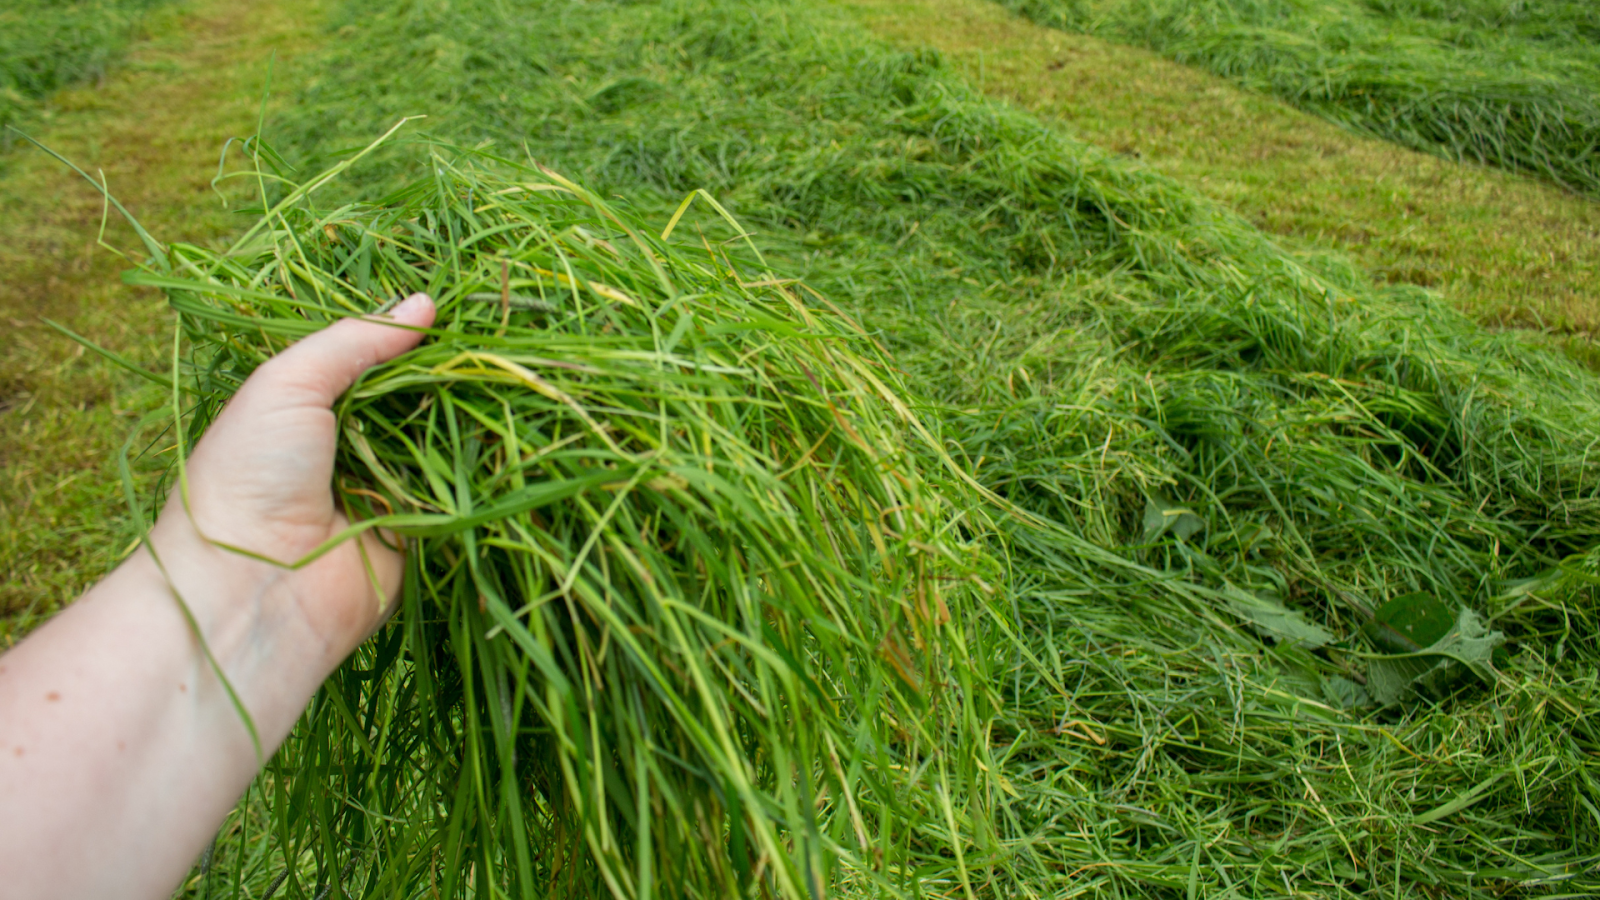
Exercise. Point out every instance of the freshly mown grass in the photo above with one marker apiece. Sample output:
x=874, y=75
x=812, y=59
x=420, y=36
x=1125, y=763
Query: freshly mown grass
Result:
x=674, y=577
x=1504, y=83
x=1294, y=577
x=47, y=45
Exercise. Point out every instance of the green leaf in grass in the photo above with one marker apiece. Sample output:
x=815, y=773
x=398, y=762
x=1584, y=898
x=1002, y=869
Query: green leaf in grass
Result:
x=1467, y=647
x=1410, y=622
x=1264, y=610
x=1161, y=515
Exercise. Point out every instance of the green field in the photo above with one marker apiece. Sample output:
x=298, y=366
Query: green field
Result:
x=1204, y=474
x=46, y=46
x=1510, y=84
x=66, y=415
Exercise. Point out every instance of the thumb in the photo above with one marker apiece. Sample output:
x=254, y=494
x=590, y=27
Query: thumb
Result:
x=322, y=366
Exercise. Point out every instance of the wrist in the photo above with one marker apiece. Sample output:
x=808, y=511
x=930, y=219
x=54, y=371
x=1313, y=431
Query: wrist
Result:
x=243, y=610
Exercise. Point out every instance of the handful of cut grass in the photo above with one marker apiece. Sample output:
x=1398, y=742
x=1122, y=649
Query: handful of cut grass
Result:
x=677, y=616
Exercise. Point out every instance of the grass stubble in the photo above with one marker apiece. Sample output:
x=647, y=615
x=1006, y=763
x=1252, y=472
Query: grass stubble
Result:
x=1205, y=466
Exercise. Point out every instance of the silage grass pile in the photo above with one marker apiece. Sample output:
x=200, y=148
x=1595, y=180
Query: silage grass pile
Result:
x=1293, y=578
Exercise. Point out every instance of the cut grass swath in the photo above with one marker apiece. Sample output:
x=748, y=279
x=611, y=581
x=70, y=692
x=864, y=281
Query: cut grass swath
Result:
x=1500, y=83
x=1099, y=342
x=676, y=588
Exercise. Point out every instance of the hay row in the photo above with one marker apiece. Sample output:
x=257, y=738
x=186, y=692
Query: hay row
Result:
x=1504, y=84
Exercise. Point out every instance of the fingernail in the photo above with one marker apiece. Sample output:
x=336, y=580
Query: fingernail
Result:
x=412, y=304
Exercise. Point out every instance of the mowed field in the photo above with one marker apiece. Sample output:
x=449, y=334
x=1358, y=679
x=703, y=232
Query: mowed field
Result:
x=1272, y=384
x=1510, y=250
x=66, y=415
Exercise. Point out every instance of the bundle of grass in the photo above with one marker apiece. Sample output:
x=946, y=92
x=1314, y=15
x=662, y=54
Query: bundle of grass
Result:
x=678, y=615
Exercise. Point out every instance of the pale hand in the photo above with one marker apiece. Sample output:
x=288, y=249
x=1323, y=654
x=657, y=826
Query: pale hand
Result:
x=120, y=751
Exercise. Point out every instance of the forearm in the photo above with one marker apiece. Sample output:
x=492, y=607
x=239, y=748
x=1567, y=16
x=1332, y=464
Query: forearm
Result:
x=120, y=748
x=116, y=734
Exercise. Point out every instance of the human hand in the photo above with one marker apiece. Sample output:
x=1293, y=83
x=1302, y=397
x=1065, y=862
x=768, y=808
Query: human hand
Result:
x=120, y=749
x=260, y=481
